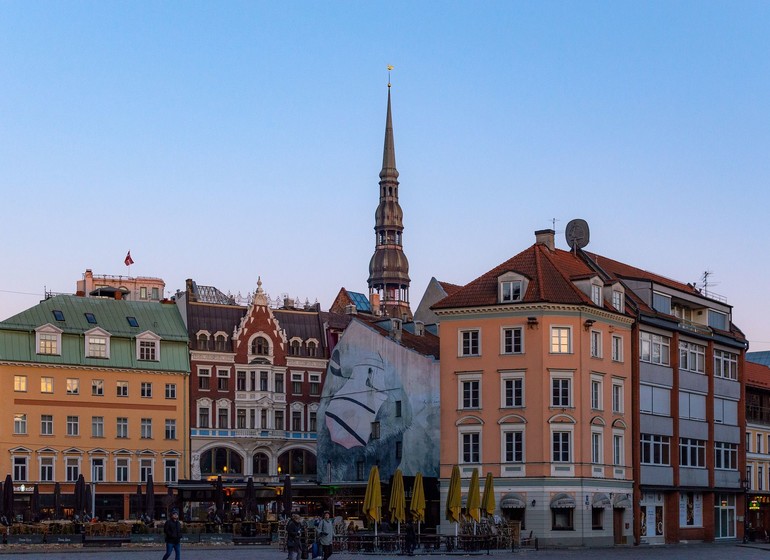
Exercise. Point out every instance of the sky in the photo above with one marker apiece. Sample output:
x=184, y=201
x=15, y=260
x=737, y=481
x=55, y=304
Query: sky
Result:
x=226, y=141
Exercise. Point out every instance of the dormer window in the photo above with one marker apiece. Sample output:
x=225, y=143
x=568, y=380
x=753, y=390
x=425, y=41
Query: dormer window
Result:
x=661, y=303
x=596, y=294
x=312, y=348
x=294, y=347
x=48, y=340
x=619, y=301
x=260, y=346
x=717, y=320
x=148, y=347
x=97, y=343
x=510, y=291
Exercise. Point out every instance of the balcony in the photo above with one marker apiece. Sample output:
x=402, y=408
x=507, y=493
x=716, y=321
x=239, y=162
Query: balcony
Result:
x=694, y=327
x=253, y=434
x=758, y=414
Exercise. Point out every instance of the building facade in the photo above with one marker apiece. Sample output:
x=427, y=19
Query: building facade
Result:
x=536, y=369
x=98, y=387
x=757, y=449
x=132, y=288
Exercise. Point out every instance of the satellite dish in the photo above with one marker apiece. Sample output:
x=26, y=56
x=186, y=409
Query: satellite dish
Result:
x=577, y=234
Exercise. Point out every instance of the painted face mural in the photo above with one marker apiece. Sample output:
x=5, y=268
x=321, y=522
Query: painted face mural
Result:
x=354, y=407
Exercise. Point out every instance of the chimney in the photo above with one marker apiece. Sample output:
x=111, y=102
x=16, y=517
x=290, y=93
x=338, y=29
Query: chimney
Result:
x=118, y=294
x=374, y=301
x=288, y=303
x=395, y=329
x=546, y=237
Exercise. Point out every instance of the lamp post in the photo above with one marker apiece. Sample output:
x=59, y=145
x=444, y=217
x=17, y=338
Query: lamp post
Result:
x=746, y=487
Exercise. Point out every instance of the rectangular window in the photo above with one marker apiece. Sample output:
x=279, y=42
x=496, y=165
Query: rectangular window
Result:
x=513, y=392
x=510, y=291
x=97, y=469
x=170, y=390
x=725, y=411
x=617, y=450
x=204, y=378
x=296, y=387
x=617, y=398
x=312, y=421
x=147, y=350
x=155, y=293
x=471, y=396
x=143, y=292
x=655, y=400
x=759, y=443
x=513, y=451
x=375, y=430
x=596, y=448
x=596, y=344
x=560, y=392
x=618, y=301
x=279, y=425
x=97, y=387
x=170, y=428
x=692, y=357
x=315, y=384
x=97, y=426
x=121, y=388
x=561, y=446
x=121, y=470
x=661, y=303
x=692, y=406
x=725, y=456
x=561, y=340
x=46, y=469
x=223, y=383
x=72, y=468
x=617, y=349
x=692, y=452
x=169, y=468
x=655, y=450
x=513, y=340
x=73, y=386
x=263, y=380
x=596, y=294
x=296, y=421
x=469, y=343
x=73, y=426
x=146, y=390
x=46, y=384
x=240, y=381
x=46, y=424
x=146, y=428
x=20, y=424
x=596, y=394
x=20, y=383
x=725, y=364
x=122, y=427
x=654, y=348
x=49, y=344
x=760, y=478
x=145, y=469
x=222, y=418
x=19, y=469
x=471, y=447
x=717, y=320
x=240, y=419
x=97, y=347
x=263, y=418
x=203, y=417
x=279, y=383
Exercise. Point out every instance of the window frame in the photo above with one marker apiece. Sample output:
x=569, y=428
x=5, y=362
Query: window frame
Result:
x=556, y=343
x=514, y=331
x=469, y=343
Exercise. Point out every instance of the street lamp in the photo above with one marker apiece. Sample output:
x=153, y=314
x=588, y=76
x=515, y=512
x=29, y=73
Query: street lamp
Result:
x=746, y=482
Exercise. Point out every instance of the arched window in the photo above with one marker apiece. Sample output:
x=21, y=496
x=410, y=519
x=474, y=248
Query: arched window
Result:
x=220, y=343
x=311, y=349
x=221, y=460
x=203, y=342
x=260, y=346
x=294, y=347
x=261, y=464
x=297, y=462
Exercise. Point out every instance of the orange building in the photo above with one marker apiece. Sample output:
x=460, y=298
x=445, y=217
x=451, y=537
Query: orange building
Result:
x=536, y=389
x=98, y=387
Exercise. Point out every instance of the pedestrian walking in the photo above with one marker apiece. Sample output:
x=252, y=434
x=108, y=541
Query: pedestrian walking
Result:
x=172, y=529
x=293, y=542
x=326, y=535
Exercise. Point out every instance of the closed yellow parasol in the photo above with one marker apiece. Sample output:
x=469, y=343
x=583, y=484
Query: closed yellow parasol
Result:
x=488, y=503
x=473, y=502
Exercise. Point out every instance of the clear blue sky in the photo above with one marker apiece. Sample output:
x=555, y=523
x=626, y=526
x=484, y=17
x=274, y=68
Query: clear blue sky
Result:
x=225, y=140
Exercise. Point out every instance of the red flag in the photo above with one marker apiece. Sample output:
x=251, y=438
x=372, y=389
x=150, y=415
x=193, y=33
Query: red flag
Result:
x=129, y=261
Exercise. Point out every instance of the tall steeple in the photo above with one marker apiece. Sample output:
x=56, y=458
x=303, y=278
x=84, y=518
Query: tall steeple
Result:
x=389, y=267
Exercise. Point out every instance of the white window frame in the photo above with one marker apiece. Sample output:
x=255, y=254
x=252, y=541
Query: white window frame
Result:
x=656, y=443
x=596, y=344
x=51, y=336
x=148, y=337
x=692, y=357
x=170, y=469
x=556, y=343
x=512, y=330
x=20, y=383
x=469, y=431
x=20, y=463
x=693, y=451
x=652, y=401
x=46, y=425
x=20, y=424
x=725, y=456
x=562, y=376
x=97, y=387
x=97, y=343
x=686, y=401
x=461, y=346
x=98, y=469
x=97, y=426
x=511, y=291
x=653, y=341
x=725, y=411
x=618, y=300
x=73, y=426
x=461, y=381
x=597, y=396
x=597, y=445
x=618, y=448
x=617, y=348
x=146, y=467
x=506, y=429
x=145, y=428
x=47, y=463
x=121, y=428
x=46, y=385
x=72, y=468
x=569, y=431
x=513, y=377
x=145, y=389
x=725, y=364
x=122, y=462
x=73, y=385
x=596, y=294
x=618, y=396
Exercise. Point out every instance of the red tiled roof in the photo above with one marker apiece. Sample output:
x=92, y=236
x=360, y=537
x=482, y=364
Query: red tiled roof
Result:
x=449, y=288
x=622, y=270
x=550, y=275
x=757, y=375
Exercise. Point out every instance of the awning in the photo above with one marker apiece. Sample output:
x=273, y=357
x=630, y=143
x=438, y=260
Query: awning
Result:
x=622, y=501
x=512, y=500
x=601, y=500
x=562, y=501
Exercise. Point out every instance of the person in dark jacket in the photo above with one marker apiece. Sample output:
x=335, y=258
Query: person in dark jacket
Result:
x=293, y=541
x=172, y=529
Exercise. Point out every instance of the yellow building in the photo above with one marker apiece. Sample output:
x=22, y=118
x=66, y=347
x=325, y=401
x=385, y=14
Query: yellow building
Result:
x=98, y=387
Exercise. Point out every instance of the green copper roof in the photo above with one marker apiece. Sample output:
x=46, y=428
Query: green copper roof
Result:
x=76, y=315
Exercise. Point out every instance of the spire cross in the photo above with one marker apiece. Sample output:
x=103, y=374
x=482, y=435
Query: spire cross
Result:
x=390, y=67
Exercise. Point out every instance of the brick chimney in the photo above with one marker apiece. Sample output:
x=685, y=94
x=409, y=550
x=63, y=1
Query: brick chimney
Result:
x=546, y=237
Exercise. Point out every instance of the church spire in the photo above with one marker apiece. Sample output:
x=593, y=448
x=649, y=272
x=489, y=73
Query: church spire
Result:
x=389, y=267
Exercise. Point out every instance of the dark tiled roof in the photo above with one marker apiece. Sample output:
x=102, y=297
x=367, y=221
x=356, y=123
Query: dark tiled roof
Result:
x=622, y=270
x=304, y=324
x=213, y=318
x=426, y=344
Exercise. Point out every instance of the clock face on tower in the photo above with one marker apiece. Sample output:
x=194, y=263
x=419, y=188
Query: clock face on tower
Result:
x=577, y=234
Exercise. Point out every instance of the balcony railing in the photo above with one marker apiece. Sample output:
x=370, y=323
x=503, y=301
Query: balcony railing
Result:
x=694, y=327
x=253, y=434
x=759, y=414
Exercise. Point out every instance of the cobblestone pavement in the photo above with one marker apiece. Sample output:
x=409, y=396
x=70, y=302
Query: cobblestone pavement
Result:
x=729, y=551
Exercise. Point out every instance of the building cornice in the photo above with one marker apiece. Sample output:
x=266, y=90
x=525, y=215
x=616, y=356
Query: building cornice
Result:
x=529, y=308
x=219, y=357
x=92, y=368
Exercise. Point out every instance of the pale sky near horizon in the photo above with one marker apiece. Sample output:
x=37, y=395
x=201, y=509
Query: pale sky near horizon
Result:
x=222, y=141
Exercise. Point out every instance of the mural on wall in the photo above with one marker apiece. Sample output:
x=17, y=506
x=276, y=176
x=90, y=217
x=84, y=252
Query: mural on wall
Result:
x=374, y=384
